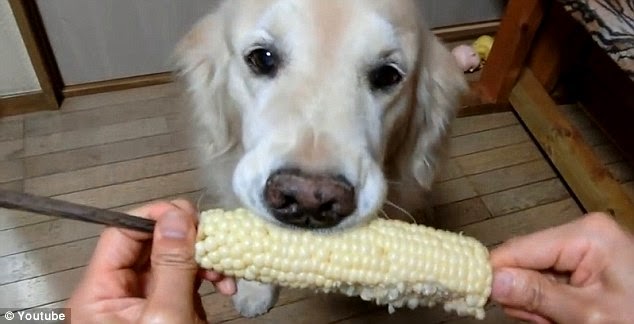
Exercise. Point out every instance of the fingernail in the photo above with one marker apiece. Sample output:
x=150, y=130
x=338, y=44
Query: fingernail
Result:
x=502, y=285
x=173, y=225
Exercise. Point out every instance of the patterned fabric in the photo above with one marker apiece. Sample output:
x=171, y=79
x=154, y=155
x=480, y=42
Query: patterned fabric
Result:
x=611, y=24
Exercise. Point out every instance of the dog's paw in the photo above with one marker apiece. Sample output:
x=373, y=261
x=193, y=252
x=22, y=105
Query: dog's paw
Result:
x=253, y=298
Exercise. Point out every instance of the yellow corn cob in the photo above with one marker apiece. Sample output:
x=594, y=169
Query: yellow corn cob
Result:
x=390, y=262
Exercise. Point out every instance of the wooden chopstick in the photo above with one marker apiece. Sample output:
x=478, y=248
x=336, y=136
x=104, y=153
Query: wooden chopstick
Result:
x=64, y=209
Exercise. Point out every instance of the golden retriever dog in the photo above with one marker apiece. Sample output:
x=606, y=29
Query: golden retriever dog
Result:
x=318, y=114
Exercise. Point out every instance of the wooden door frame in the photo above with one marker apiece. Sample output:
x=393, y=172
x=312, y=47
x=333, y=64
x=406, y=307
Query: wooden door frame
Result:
x=49, y=97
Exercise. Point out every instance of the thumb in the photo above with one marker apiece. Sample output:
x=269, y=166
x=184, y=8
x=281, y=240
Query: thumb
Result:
x=531, y=291
x=173, y=268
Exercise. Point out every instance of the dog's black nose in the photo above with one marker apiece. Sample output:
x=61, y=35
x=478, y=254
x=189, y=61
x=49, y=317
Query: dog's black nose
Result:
x=309, y=201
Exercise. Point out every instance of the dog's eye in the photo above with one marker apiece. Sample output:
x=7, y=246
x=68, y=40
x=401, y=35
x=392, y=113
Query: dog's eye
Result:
x=263, y=62
x=385, y=77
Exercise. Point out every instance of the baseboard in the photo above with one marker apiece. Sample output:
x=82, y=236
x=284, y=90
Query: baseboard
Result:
x=26, y=103
x=117, y=84
x=467, y=31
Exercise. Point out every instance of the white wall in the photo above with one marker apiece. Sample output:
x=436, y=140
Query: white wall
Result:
x=97, y=40
x=16, y=72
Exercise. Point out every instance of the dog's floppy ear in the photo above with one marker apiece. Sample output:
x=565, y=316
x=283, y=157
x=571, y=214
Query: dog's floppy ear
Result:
x=441, y=85
x=201, y=61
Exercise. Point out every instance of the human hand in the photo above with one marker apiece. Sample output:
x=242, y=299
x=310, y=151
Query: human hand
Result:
x=596, y=258
x=143, y=278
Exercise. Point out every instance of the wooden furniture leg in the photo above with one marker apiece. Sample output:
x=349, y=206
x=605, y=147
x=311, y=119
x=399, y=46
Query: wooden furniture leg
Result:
x=513, y=43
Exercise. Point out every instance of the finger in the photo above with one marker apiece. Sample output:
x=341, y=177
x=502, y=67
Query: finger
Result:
x=187, y=207
x=560, y=248
x=117, y=251
x=532, y=292
x=526, y=316
x=210, y=276
x=121, y=249
x=226, y=286
x=174, y=270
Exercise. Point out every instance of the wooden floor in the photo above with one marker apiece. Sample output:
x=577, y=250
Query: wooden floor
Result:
x=123, y=149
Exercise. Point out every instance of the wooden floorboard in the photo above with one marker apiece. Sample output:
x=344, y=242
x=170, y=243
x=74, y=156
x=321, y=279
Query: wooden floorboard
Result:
x=513, y=200
x=475, y=124
x=27, y=238
x=494, y=314
x=511, y=155
x=40, y=291
x=11, y=130
x=82, y=158
x=120, y=97
x=453, y=191
x=109, y=174
x=499, y=229
x=486, y=140
x=122, y=150
x=14, y=185
x=220, y=309
x=450, y=170
x=42, y=262
x=13, y=219
x=64, y=141
x=454, y=215
x=54, y=122
x=511, y=177
x=12, y=170
x=331, y=309
x=10, y=150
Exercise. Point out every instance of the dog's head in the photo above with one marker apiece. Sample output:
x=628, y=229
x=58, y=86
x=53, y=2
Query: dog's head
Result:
x=317, y=96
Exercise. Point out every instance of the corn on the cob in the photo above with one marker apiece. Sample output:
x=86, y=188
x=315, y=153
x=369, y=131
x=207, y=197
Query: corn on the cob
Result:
x=390, y=262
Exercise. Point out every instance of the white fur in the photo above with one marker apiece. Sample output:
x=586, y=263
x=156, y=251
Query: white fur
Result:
x=318, y=113
x=254, y=298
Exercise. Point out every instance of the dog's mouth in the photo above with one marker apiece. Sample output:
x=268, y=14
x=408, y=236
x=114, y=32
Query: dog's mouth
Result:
x=309, y=201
